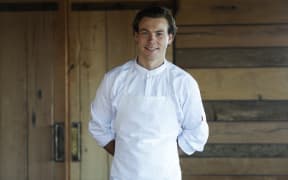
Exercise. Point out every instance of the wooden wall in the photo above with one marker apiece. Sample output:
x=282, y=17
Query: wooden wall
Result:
x=237, y=51
x=31, y=89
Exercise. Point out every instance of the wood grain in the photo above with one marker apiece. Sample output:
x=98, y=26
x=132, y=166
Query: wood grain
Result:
x=89, y=5
x=232, y=36
x=234, y=150
x=121, y=45
x=87, y=66
x=235, y=177
x=232, y=12
x=231, y=57
x=41, y=53
x=13, y=104
x=246, y=110
x=120, y=1
x=27, y=6
x=242, y=83
x=234, y=166
x=248, y=132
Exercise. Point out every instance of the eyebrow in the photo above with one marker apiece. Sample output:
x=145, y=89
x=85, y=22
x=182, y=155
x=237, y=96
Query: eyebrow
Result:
x=144, y=29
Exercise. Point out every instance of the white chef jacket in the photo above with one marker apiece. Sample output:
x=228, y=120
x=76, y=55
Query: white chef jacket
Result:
x=178, y=84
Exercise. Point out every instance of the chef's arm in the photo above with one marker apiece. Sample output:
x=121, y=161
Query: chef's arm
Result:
x=110, y=147
x=194, y=128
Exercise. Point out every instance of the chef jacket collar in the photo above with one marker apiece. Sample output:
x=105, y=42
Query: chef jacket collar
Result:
x=152, y=72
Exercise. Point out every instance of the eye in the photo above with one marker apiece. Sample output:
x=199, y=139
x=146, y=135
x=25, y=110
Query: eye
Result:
x=159, y=34
x=143, y=33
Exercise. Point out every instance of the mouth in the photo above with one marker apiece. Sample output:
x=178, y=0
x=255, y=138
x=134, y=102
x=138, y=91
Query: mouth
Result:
x=151, y=49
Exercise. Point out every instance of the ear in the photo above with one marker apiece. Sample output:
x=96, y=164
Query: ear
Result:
x=170, y=38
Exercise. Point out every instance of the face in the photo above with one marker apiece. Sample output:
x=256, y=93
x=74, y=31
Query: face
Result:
x=152, y=40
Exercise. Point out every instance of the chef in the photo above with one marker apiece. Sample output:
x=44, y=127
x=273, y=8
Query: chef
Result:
x=148, y=111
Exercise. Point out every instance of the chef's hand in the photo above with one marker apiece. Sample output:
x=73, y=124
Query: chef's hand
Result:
x=110, y=147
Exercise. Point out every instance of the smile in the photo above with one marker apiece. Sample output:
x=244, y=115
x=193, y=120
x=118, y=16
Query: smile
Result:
x=151, y=48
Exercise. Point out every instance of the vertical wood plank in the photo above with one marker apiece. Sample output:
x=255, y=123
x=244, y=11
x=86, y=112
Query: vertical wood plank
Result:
x=60, y=85
x=13, y=79
x=74, y=83
x=1, y=118
x=93, y=66
x=120, y=38
x=87, y=68
x=42, y=50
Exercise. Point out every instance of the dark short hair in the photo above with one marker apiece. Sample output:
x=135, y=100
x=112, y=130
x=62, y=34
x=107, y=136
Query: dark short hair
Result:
x=155, y=12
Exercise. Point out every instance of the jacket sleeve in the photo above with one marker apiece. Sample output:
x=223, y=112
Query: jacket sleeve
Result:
x=101, y=115
x=194, y=128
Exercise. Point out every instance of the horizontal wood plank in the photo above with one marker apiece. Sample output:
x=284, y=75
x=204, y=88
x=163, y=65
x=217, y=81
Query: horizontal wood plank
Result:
x=28, y=6
x=244, y=150
x=246, y=110
x=234, y=166
x=236, y=177
x=232, y=36
x=117, y=5
x=27, y=1
x=232, y=12
x=242, y=84
x=119, y=1
x=231, y=57
x=248, y=132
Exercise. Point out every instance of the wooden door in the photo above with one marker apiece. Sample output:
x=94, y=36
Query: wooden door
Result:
x=32, y=94
x=98, y=42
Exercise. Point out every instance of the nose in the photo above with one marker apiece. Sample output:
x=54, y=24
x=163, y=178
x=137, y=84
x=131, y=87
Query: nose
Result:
x=151, y=37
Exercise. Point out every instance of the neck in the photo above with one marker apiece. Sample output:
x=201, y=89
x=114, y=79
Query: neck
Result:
x=150, y=65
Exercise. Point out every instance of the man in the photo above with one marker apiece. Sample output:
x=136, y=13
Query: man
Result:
x=148, y=109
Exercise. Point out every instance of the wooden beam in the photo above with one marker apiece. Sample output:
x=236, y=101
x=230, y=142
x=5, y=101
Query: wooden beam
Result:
x=28, y=6
x=244, y=151
x=235, y=177
x=249, y=132
x=242, y=83
x=232, y=12
x=231, y=57
x=234, y=166
x=246, y=110
x=208, y=36
x=128, y=5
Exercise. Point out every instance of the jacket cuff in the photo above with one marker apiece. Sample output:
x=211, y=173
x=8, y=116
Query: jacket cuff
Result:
x=104, y=140
x=186, y=148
